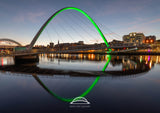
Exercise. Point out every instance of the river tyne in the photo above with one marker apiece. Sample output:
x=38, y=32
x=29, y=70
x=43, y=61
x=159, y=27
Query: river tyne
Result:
x=121, y=84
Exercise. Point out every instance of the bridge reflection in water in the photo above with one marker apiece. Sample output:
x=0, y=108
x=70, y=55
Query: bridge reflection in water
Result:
x=129, y=65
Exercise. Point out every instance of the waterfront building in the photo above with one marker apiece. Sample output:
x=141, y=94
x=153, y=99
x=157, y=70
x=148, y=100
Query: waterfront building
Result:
x=81, y=42
x=116, y=43
x=134, y=38
x=150, y=39
x=51, y=45
x=65, y=46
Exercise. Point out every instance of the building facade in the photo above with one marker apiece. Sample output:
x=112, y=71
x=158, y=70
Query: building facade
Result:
x=116, y=43
x=150, y=39
x=134, y=38
x=51, y=45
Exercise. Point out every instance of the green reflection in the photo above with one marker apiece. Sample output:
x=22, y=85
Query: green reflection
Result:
x=67, y=99
x=83, y=94
x=105, y=66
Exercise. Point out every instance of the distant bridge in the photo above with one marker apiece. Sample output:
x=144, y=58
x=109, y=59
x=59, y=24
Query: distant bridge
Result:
x=10, y=40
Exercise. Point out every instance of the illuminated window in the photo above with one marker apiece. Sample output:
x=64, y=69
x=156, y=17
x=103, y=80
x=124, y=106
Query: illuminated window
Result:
x=130, y=34
x=151, y=41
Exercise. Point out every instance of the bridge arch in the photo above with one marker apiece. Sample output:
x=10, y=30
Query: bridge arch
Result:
x=59, y=11
x=10, y=40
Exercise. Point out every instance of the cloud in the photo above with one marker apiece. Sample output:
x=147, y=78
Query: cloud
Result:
x=140, y=25
x=122, y=6
x=30, y=16
x=155, y=21
x=33, y=16
x=147, y=27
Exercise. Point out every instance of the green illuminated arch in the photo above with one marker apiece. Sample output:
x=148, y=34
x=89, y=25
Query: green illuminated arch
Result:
x=83, y=94
x=39, y=33
x=59, y=11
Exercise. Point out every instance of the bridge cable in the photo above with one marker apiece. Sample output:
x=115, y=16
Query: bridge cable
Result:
x=82, y=20
x=91, y=29
x=64, y=29
x=115, y=35
x=48, y=34
x=42, y=41
x=57, y=33
x=82, y=27
x=77, y=32
x=109, y=33
x=107, y=29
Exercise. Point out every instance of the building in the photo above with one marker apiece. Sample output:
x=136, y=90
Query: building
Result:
x=157, y=41
x=81, y=42
x=116, y=43
x=134, y=38
x=39, y=47
x=150, y=39
x=51, y=45
x=61, y=46
x=65, y=46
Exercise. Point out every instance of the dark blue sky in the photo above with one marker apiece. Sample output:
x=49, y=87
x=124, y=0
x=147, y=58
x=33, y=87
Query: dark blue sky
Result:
x=21, y=19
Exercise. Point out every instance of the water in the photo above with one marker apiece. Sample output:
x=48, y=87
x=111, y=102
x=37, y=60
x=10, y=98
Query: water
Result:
x=129, y=84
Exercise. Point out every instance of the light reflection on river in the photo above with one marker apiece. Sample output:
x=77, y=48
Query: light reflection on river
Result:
x=131, y=83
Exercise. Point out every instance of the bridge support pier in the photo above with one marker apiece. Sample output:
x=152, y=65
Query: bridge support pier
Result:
x=26, y=59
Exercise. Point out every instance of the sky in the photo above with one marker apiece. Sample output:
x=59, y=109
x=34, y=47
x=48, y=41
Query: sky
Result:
x=20, y=20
